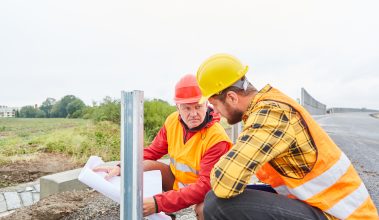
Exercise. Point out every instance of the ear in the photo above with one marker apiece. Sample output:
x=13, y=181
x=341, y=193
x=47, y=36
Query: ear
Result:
x=232, y=97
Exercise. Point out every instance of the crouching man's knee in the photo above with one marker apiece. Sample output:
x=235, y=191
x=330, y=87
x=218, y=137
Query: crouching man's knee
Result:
x=211, y=209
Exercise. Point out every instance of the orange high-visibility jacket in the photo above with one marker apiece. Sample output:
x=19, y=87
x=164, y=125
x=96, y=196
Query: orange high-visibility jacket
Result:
x=185, y=157
x=332, y=185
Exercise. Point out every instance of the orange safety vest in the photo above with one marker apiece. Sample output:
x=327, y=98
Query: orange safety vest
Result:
x=185, y=157
x=332, y=185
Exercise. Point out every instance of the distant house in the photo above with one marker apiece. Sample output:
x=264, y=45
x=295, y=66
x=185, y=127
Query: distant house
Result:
x=7, y=112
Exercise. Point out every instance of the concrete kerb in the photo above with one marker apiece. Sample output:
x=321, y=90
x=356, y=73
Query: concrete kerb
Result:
x=68, y=181
x=61, y=182
x=64, y=181
x=22, y=185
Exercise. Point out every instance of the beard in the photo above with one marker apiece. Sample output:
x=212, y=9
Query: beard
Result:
x=233, y=115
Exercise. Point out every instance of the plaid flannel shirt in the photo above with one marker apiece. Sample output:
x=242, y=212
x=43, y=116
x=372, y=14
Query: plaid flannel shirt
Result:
x=274, y=132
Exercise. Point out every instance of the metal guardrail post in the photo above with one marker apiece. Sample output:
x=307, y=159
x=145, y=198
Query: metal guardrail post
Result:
x=236, y=130
x=131, y=155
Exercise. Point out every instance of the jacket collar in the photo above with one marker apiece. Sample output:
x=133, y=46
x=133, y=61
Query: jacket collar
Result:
x=255, y=100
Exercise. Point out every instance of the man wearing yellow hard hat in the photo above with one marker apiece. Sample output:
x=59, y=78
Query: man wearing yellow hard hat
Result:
x=284, y=147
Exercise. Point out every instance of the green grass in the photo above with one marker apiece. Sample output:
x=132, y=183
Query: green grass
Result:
x=76, y=137
x=21, y=138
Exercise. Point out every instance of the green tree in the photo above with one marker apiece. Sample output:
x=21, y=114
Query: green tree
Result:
x=61, y=107
x=155, y=114
x=40, y=114
x=47, y=106
x=74, y=108
x=28, y=112
x=108, y=110
x=55, y=110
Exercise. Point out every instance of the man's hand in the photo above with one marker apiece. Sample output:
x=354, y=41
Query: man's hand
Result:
x=148, y=206
x=111, y=171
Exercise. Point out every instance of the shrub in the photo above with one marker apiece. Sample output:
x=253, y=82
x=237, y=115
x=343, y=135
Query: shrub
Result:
x=155, y=114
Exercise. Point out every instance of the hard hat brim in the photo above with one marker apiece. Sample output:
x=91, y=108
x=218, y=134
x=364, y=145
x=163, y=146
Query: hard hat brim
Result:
x=187, y=100
x=203, y=99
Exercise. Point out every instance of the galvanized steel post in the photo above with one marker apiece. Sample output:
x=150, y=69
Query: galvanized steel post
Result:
x=131, y=155
x=236, y=130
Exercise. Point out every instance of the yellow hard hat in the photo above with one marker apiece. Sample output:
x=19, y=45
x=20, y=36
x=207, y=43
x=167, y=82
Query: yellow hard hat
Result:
x=217, y=73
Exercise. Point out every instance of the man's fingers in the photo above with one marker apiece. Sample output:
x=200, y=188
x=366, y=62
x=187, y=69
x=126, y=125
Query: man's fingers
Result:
x=109, y=175
x=101, y=169
x=148, y=206
x=114, y=172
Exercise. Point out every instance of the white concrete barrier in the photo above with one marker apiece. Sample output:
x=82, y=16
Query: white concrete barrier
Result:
x=313, y=106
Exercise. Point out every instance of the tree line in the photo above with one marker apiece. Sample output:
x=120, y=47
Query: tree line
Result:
x=67, y=107
x=155, y=111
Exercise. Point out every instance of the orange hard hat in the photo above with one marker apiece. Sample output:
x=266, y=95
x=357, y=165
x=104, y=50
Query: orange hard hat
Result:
x=187, y=90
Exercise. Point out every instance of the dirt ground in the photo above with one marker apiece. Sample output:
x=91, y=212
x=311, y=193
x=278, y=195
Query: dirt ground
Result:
x=67, y=205
x=86, y=204
x=29, y=170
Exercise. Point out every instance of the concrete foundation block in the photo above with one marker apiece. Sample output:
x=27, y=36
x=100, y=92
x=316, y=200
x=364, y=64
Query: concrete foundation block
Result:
x=64, y=181
x=61, y=182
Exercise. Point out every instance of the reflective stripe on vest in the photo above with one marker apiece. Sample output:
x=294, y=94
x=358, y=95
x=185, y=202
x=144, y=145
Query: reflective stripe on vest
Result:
x=282, y=190
x=182, y=185
x=183, y=167
x=345, y=207
x=321, y=182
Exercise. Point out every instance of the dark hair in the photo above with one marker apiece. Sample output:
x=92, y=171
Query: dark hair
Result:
x=240, y=91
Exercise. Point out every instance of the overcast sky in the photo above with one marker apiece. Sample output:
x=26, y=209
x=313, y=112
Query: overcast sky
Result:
x=92, y=49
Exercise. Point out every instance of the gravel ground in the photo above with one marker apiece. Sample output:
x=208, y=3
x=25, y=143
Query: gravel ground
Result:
x=86, y=205
x=102, y=208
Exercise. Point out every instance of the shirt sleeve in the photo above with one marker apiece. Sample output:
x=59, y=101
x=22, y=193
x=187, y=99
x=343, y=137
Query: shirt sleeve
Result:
x=172, y=201
x=269, y=135
x=158, y=148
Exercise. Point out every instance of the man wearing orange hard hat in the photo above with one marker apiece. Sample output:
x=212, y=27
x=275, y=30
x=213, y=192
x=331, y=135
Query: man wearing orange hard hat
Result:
x=194, y=141
x=284, y=147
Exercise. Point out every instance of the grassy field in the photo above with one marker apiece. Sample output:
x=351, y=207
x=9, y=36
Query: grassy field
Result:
x=21, y=138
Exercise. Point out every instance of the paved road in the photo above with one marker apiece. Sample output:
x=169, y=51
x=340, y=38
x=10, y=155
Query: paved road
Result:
x=357, y=134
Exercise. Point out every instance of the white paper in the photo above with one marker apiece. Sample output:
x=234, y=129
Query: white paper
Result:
x=95, y=180
x=111, y=188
